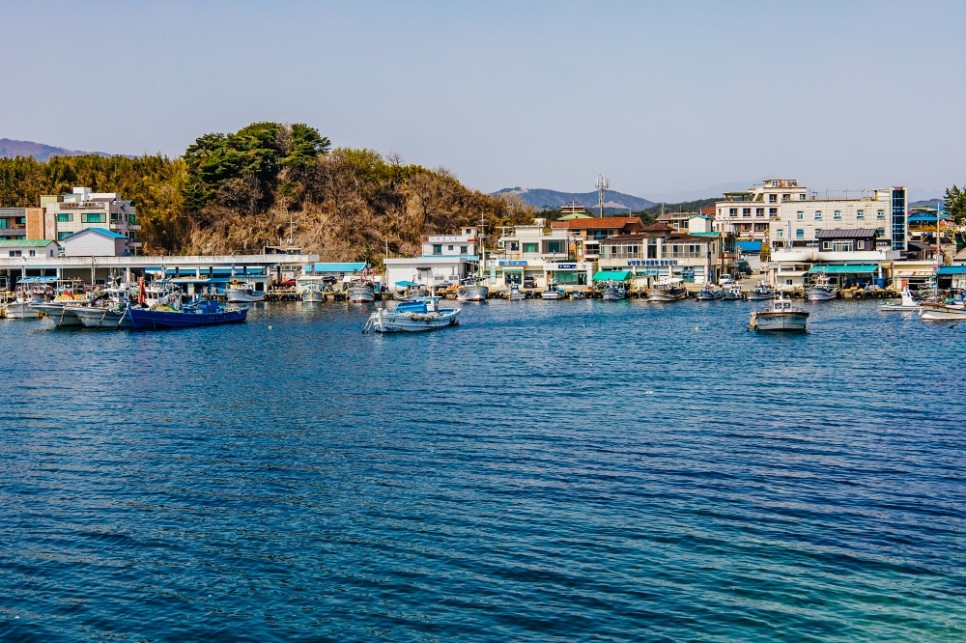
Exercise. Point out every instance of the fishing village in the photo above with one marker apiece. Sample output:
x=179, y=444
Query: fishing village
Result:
x=78, y=253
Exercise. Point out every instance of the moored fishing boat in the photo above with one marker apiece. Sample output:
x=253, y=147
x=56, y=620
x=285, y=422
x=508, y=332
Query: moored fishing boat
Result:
x=412, y=316
x=781, y=315
x=761, y=292
x=553, y=292
x=614, y=292
x=360, y=292
x=206, y=312
x=243, y=293
x=667, y=289
x=930, y=311
x=62, y=314
x=907, y=303
x=821, y=289
x=114, y=316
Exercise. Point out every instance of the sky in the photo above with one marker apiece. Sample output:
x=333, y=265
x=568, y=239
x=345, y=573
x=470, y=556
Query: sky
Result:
x=670, y=98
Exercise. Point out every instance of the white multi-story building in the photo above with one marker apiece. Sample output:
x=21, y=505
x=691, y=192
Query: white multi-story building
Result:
x=884, y=210
x=783, y=214
x=444, y=260
x=748, y=214
x=82, y=209
x=539, y=254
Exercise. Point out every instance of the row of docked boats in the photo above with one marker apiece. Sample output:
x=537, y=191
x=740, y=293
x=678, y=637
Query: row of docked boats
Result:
x=155, y=306
x=949, y=310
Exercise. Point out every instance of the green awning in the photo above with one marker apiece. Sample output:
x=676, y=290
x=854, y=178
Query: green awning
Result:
x=612, y=275
x=845, y=269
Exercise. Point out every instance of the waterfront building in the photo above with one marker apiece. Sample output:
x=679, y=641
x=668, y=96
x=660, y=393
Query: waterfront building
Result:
x=539, y=254
x=783, y=213
x=884, y=210
x=95, y=242
x=659, y=252
x=585, y=234
x=748, y=214
x=848, y=256
x=68, y=214
x=444, y=260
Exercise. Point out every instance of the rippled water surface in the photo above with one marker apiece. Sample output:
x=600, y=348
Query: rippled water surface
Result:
x=546, y=471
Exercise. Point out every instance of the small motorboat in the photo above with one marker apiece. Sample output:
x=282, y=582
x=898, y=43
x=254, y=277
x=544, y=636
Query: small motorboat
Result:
x=412, y=316
x=907, y=303
x=781, y=315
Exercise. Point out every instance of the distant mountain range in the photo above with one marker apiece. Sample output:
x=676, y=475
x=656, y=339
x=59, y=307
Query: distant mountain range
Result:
x=615, y=202
x=10, y=148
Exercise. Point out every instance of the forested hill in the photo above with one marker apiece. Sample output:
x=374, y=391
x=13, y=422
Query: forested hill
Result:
x=236, y=193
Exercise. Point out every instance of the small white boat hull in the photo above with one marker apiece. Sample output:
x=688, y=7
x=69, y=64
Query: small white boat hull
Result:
x=62, y=315
x=388, y=321
x=942, y=312
x=243, y=296
x=95, y=317
x=20, y=310
x=779, y=321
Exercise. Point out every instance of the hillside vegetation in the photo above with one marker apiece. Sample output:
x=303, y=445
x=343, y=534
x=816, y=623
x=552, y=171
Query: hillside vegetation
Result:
x=267, y=184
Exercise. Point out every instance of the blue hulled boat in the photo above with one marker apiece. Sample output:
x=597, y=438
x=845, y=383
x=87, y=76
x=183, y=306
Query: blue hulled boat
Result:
x=206, y=312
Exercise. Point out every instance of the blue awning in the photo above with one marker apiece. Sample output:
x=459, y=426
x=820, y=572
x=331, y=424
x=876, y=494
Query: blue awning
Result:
x=951, y=270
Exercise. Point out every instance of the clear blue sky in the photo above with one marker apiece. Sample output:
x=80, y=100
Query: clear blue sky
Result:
x=662, y=97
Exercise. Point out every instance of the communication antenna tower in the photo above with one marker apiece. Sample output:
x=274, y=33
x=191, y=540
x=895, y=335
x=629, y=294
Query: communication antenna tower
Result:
x=602, y=184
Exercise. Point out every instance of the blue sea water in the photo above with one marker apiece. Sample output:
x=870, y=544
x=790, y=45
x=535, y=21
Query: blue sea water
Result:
x=554, y=471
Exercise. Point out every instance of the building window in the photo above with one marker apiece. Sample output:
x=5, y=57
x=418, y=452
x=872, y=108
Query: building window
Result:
x=818, y=215
x=773, y=212
x=800, y=215
x=759, y=212
x=93, y=217
x=746, y=212
x=16, y=253
x=33, y=253
x=860, y=245
x=63, y=235
x=437, y=249
x=530, y=247
x=65, y=217
x=773, y=198
x=780, y=234
x=786, y=197
x=462, y=250
x=837, y=215
x=799, y=234
x=881, y=232
x=860, y=215
x=733, y=212
x=880, y=214
x=826, y=245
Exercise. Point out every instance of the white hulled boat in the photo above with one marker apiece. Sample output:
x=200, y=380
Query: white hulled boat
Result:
x=942, y=312
x=781, y=315
x=907, y=303
x=243, y=293
x=667, y=289
x=412, y=316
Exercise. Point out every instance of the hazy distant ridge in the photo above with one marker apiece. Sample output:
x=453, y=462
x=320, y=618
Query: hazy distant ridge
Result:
x=10, y=148
x=553, y=200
